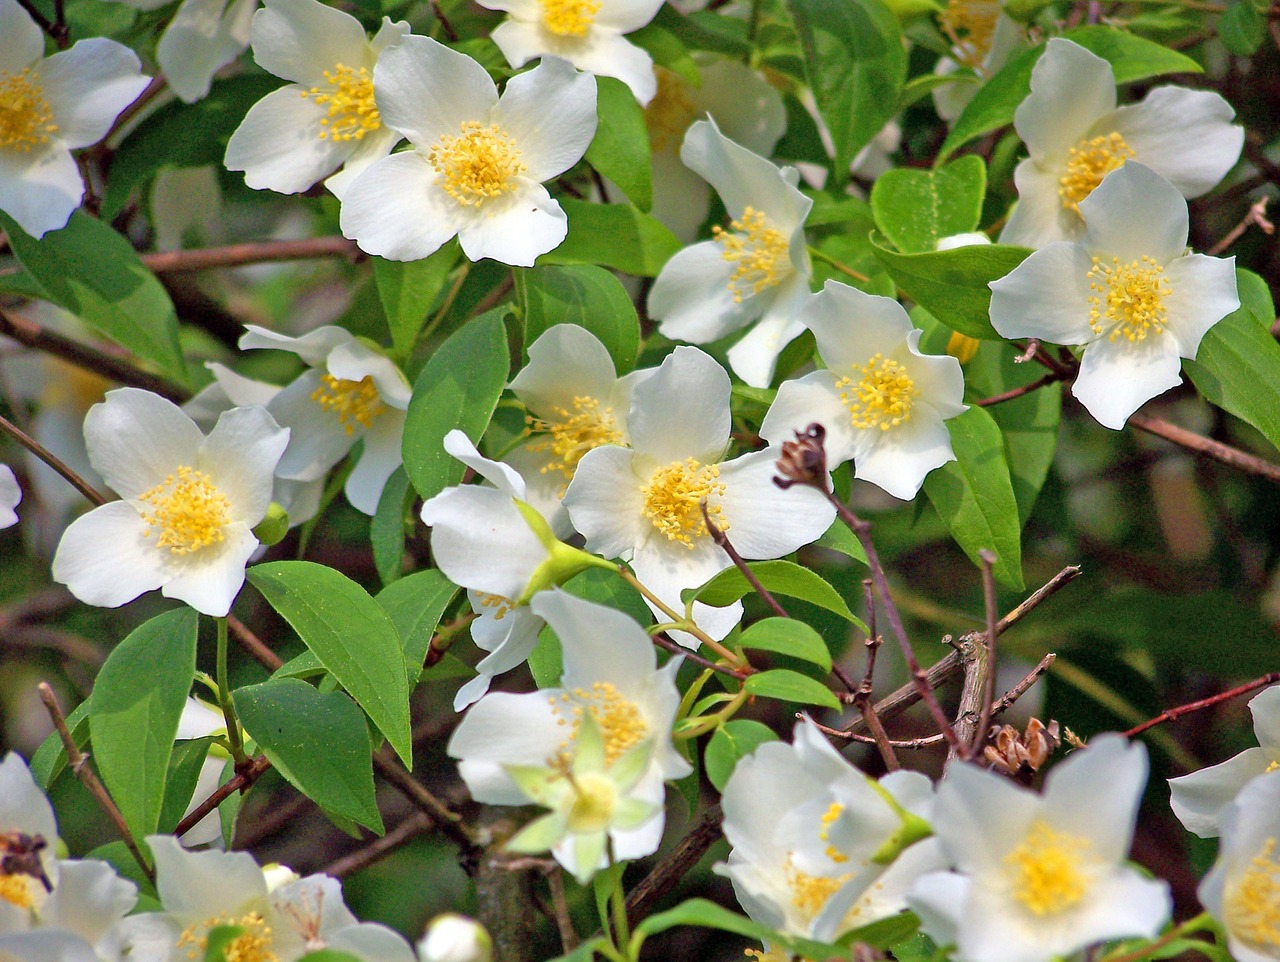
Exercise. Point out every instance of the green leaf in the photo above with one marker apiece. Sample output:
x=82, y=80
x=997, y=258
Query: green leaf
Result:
x=839, y=538
x=620, y=150
x=778, y=578
x=318, y=741
x=732, y=741
x=387, y=529
x=1242, y=28
x=952, y=285
x=458, y=388
x=93, y=272
x=1131, y=58
x=138, y=699
x=329, y=955
x=855, y=63
x=409, y=289
x=974, y=496
x=788, y=637
x=915, y=208
x=50, y=758
x=1238, y=366
x=585, y=295
x=415, y=605
x=218, y=939
x=184, y=770
x=617, y=236
x=709, y=915
x=786, y=685
x=350, y=634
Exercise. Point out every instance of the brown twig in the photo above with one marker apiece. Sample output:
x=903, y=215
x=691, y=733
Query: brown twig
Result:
x=668, y=873
x=1173, y=713
x=1051, y=378
x=239, y=782
x=254, y=645
x=449, y=821
x=564, y=924
x=258, y=252
x=49, y=458
x=78, y=762
x=1207, y=447
x=862, y=696
x=417, y=823
x=722, y=539
x=1255, y=215
x=667, y=643
x=988, y=664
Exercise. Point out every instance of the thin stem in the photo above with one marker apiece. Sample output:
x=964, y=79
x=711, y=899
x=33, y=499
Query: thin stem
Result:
x=449, y=298
x=450, y=822
x=49, y=458
x=722, y=539
x=1051, y=378
x=1174, y=713
x=257, y=252
x=618, y=906
x=832, y=262
x=988, y=560
x=417, y=823
x=564, y=924
x=862, y=696
x=1194, y=924
x=678, y=619
x=234, y=740
x=1207, y=447
x=1256, y=214
x=664, y=641
x=240, y=782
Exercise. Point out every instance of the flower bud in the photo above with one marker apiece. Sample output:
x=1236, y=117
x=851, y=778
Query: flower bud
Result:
x=455, y=938
x=273, y=527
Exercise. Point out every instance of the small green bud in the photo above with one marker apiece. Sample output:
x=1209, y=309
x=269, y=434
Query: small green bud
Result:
x=273, y=527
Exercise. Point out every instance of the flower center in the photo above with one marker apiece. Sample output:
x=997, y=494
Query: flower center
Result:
x=354, y=402
x=188, y=510
x=674, y=495
x=482, y=162
x=970, y=24
x=1087, y=163
x=569, y=18
x=1127, y=299
x=594, y=799
x=253, y=944
x=498, y=604
x=1047, y=870
x=882, y=398
x=809, y=893
x=25, y=118
x=18, y=890
x=670, y=112
x=758, y=252
x=352, y=111
x=622, y=726
x=575, y=432
x=1252, y=902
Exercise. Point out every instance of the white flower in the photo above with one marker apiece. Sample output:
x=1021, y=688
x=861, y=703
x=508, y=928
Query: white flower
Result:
x=642, y=504
x=757, y=271
x=189, y=503
x=586, y=33
x=455, y=938
x=50, y=107
x=1041, y=876
x=1128, y=292
x=882, y=402
x=1076, y=136
x=610, y=677
x=1199, y=799
x=1242, y=890
x=988, y=37
x=10, y=497
x=198, y=721
x=326, y=118
x=478, y=162
x=492, y=542
x=352, y=392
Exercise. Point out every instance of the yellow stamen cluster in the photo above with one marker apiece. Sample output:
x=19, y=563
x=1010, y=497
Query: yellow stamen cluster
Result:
x=572, y=433
x=481, y=163
x=188, y=510
x=971, y=26
x=829, y=817
x=673, y=499
x=251, y=945
x=809, y=893
x=882, y=398
x=622, y=726
x=352, y=111
x=1127, y=299
x=670, y=112
x=500, y=605
x=569, y=18
x=1251, y=902
x=1087, y=163
x=758, y=251
x=354, y=402
x=1048, y=870
x=18, y=890
x=25, y=118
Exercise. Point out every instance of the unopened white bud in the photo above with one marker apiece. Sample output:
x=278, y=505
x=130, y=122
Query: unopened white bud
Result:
x=455, y=938
x=277, y=875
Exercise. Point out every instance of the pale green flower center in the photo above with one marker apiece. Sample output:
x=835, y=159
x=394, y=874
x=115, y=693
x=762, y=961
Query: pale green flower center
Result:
x=353, y=402
x=673, y=499
x=1087, y=163
x=1251, y=902
x=253, y=944
x=1127, y=299
x=481, y=163
x=25, y=118
x=882, y=397
x=569, y=18
x=758, y=251
x=572, y=432
x=1048, y=870
x=188, y=511
x=621, y=723
x=594, y=799
x=349, y=96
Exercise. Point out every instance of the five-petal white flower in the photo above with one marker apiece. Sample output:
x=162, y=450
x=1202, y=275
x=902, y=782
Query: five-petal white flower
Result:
x=478, y=161
x=1076, y=136
x=189, y=503
x=1128, y=292
x=757, y=271
x=50, y=107
x=882, y=402
x=326, y=118
x=644, y=504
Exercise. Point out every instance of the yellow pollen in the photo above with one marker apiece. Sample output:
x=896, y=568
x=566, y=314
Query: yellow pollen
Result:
x=595, y=798
x=17, y=890
x=1087, y=163
x=882, y=398
x=498, y=603
x=352, y=111
x=622, y=726
x=829, y=817
x=674, y=495
x=574, y=432
x=188, y=510
x=809, y=893
x=1271, y=768
x=971, y=25
x=253, y=944
x=569, y=18
x=1251, y=902
x=758, y=252
x=671, y=110
x=1127, y=300
x=1047, y=870
x=354, y=402
x=481, y=163
x=25, y=118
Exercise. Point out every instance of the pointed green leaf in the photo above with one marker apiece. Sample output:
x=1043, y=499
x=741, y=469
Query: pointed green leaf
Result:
x=788, y=637
x=777, y=577
x=409, y=289
x=620, y=149
x=415, y=605
x=585, y=295
x=786, y=685
x=915, y=208
x=386, y=530
x=617, y=236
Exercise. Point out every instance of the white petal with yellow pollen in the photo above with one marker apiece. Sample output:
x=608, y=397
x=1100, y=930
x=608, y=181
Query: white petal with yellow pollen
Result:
x=137, y=439
x=88, y=86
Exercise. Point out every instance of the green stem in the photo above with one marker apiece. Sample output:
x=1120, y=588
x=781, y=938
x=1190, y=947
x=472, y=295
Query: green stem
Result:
x=234, y=742
x=842, y=268
x=1202, y=921
x=618, y=903
x=678, y=621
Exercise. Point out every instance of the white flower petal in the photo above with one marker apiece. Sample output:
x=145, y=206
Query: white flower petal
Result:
x=521, y=226
x=693, y=299
x=743, y=179
x=136, y=439
x=598, y=643
x=23, y=807
x=210, y=579
x=87, y=87
x=1046, y=296
x=88, y=900
x=746, y=108
x=1135, y=212
x=682, y=410
x=501, y=729
x=318, y=439
x=355, y=360
x=512, y=642
x=1039, y=218
x=755, y=357
x=898, y=460
x=40, y=189
x=502, y=476
x=24, y=41
x=240, y=456
x=1200, y=799
x=278, y=144
x=1070, y=89
x=852, y=326
x=804, y=401
x=1118, y=377
x=10, y=497
x=425, y=90
x=203, y=36
x=1202, y=291
x=566, y=361
x=604, y=502
x=764, y=520
x=550, y=114
x=197, y=885
x=395, y=210
x=609, y=54
x=313, y=347
x=300, y=39
x=1073, y=804
x=480, y=540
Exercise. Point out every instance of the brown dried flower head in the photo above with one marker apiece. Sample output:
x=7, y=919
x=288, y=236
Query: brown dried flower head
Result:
x=1020, y=754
